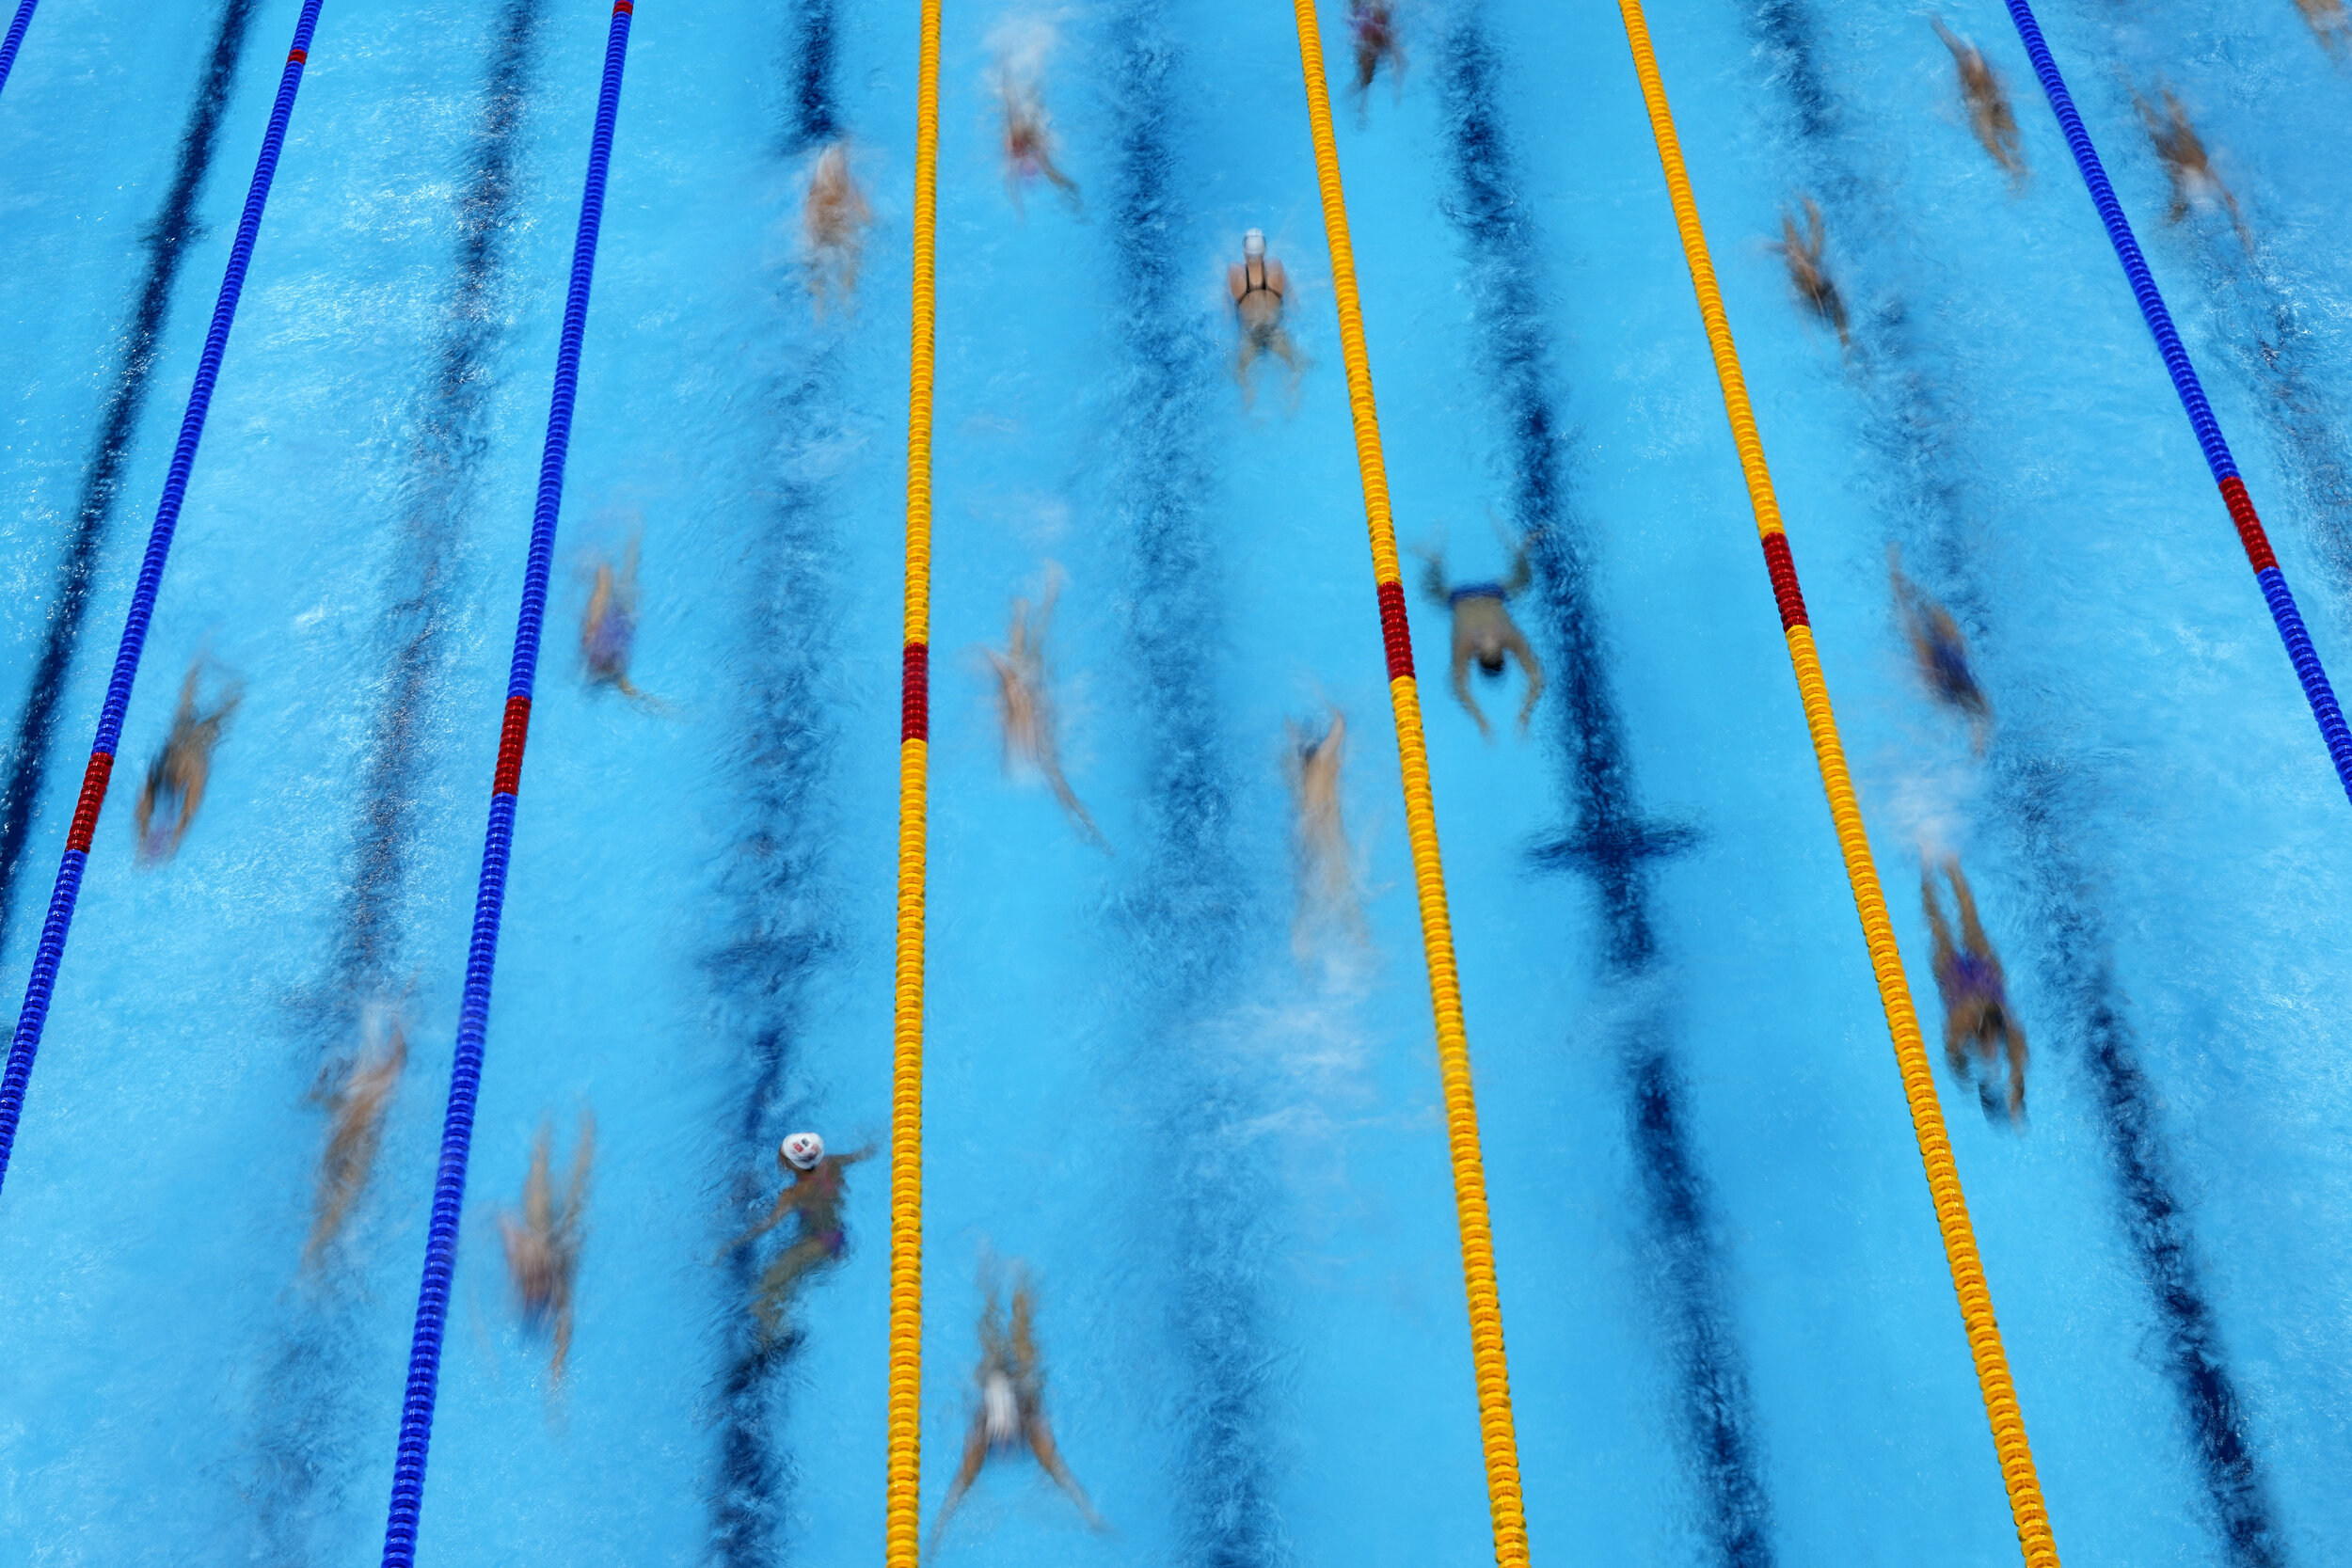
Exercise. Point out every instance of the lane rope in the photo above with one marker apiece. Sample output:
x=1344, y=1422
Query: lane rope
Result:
x=15, y=40
x=449, y=1187
x=1927, y=1117
x=1497, y=1433
x=33, y=1016
x=2273, y=582
x=903, y=1455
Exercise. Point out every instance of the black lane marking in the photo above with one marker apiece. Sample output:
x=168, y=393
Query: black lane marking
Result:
x=175, y=229
x=1610, y=842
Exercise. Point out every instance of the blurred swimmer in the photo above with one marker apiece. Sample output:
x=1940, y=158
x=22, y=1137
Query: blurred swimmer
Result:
x=1942, y=651
x=543, y=1244
x=816, y=1192
x=1326, y=869
x=608, y=632
x=1372, y=26
x=1012, y=1407
x=1029, y=138
x=2185, y=160
x=2328, y=21
x=1484, y=630
x=177, y=777
x=1024, y=703
x=1258, y=285
x=835, y=219
x=355, y=1108
x=1989, y=113
x=1978, y=1027
x=1803, y=251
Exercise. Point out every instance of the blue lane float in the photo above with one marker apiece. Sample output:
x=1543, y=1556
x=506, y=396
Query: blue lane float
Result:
x=35, y=1014
x=448, y=1188
x=15, y=40
x=2272, y=581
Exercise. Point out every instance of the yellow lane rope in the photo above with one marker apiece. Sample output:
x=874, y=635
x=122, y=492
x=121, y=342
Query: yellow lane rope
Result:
x=1421, y=820
x=901, y=1523
x=1926, y=1118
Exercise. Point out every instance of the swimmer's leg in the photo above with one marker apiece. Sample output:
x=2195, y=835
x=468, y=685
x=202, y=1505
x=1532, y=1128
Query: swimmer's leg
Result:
x=975, y=1455
x=2016, y=1039
x=775, y=1286
x=1040, y=1438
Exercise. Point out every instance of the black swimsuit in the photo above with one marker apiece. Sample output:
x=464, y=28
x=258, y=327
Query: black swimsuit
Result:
x=1262, y=333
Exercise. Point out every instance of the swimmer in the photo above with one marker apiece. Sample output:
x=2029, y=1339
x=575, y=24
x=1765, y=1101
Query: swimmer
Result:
x=543, y=1246
x=1258, y=285
x=608, y=632
x=1025, y=704
x=1484, y=630
x=1327, y=870
x=1372, y=26
x=2327, y=20
x=816, y=1192
x=1028, y=139
x=1012, y=1407
x=356, y=1121
x=1942, y=651
x=1977, y=1026
x=177, y=777
x=2186, y=161
x=835, y=219
x=1804, y=254
x=1988, y=108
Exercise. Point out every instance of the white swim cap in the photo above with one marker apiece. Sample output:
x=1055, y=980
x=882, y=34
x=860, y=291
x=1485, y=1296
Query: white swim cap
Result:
x=803, y=1150
x=1253, y=242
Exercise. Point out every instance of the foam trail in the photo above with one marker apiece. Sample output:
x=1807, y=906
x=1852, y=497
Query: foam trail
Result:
x=175, y=227
x=452, y=441
x=1916, y=423
x=1610, y=842
x=784, y=925
x=311, y=1420
x=1185, y=911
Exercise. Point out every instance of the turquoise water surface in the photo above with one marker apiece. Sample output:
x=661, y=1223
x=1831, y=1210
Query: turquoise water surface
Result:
x=1210, y=1128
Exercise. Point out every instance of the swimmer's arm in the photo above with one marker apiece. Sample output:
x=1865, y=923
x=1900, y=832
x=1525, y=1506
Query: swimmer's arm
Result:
x=1521, y=575
x=784, y=1205
x=975, y=1455
x=1971, y=928
x=1235, y=284
x=1275, y=277
x=1927, y=902
x=1517, y=644
x=1433, y=584
x=857, y=1154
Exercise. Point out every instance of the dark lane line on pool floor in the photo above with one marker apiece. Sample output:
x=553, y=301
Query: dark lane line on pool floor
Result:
x=451, y=442
x=784, y=925
x=309, y=1419
x=1916, y=422
x=1610, y=844
x=1189, y=911
x=176, y=227
x=778, y=880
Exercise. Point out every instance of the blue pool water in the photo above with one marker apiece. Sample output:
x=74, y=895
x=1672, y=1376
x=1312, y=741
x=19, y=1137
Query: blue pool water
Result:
x=1219, y=1150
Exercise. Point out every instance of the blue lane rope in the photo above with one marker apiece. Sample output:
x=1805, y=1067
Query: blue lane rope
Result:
x=35, y=1013
x=16, y=38
x=2258, y=553
x=449, y=1190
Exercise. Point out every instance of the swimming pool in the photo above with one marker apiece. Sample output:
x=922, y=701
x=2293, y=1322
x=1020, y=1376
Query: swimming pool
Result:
x=1216, y=1142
